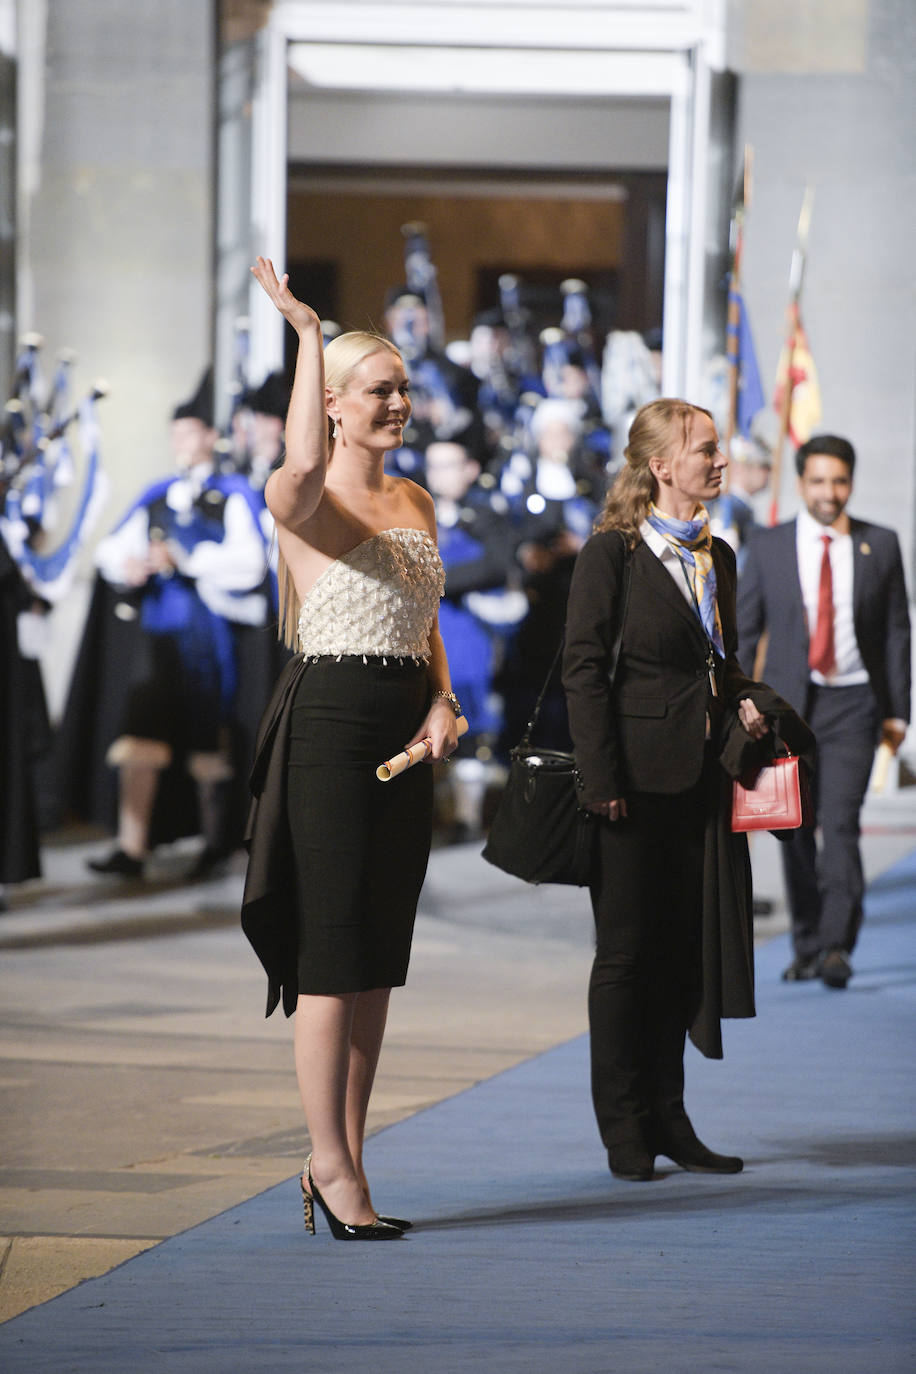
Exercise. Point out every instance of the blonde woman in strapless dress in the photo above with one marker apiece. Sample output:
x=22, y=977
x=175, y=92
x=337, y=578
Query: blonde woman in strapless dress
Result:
x=360, y=582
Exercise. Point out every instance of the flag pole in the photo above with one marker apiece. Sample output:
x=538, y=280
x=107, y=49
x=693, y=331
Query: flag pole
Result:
x=741, y=205
x=796, y=278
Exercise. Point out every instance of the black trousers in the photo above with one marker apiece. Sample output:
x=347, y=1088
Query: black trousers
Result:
x=825, y=883
x=647, y=901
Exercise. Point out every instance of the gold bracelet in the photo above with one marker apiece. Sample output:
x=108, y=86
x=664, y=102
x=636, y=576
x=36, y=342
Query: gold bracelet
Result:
x=450, y=697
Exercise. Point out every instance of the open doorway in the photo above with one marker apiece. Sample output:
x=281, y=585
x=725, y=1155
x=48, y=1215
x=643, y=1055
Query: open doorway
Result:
x=346, y=249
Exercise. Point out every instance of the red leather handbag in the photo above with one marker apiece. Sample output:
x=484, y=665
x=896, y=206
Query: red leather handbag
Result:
x=774, y=797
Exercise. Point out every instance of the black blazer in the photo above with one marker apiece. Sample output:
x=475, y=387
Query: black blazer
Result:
x=649, y=733
x=770, y=599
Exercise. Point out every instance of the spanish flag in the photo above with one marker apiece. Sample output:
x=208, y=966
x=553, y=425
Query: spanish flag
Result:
x=796, y=361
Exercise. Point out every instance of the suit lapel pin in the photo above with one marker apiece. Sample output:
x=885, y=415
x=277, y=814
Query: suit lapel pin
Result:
x=864, y=548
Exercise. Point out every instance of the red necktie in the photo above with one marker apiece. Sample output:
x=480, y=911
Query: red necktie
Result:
x=821, y=650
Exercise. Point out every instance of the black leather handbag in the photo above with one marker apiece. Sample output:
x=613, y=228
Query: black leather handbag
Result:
x=539, y=831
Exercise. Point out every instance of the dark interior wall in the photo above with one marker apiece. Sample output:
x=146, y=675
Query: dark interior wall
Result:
x=353, y=239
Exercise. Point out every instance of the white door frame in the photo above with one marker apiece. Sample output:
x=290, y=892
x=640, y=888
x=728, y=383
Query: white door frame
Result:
x=635, y=48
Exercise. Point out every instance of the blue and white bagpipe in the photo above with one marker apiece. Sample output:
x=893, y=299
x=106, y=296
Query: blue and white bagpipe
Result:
x=577, y=325
x=423, y=281
x=521, y=359
x=570, y=342
x=170, y=604
x=38, y=465
x=434, y=397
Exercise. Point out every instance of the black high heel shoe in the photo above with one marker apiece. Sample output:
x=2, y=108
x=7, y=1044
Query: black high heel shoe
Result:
x=340, y=1230
x=398, y=1223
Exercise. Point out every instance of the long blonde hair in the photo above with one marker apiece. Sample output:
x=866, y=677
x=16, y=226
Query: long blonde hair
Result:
x=342, y=357
x=657, y=428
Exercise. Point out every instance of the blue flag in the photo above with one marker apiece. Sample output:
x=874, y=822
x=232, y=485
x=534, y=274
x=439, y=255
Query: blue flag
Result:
x=750, y=392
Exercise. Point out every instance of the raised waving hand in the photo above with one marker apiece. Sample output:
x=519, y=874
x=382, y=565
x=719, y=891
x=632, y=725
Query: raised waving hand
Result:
x=301, y=316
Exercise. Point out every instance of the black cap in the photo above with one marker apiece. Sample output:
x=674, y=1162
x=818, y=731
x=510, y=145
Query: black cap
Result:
x=200, y=406
x=473, y=438
x=271, y=397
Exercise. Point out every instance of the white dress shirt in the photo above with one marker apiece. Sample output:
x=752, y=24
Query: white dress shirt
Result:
x=850, y=670
x=669, y=559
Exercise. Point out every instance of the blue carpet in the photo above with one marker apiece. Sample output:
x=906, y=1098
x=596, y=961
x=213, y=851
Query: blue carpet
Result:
x=528, y=1256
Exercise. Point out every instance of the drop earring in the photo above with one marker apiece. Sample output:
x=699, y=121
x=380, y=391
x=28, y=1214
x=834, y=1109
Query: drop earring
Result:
x=333, y=429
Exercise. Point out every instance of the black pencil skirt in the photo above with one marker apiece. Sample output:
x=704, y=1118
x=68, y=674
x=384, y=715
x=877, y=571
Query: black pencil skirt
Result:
x=360, y=846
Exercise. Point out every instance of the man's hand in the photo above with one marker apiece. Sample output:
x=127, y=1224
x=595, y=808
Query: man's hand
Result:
x=159, y=558
x=893, y=733
x=136, y=572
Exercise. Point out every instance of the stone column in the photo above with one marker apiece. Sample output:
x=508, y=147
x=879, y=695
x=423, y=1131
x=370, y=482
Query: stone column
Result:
x=116, y=153
x=118, y=198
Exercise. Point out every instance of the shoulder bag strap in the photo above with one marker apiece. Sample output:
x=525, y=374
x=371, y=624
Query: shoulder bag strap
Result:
x=615, y=651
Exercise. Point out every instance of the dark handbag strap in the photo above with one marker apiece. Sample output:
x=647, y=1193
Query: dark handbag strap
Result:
x=777, y=740
x=525, y=740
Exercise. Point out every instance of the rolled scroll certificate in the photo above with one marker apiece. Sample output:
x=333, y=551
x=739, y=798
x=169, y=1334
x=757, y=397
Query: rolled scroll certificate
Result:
x=415, y=754
x=883, y=758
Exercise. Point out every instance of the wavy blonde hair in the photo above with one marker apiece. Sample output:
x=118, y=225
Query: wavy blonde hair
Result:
x=342, y=356
x=658, y=428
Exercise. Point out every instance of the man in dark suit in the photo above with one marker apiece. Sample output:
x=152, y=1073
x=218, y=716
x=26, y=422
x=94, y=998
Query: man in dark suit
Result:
x=829, y=592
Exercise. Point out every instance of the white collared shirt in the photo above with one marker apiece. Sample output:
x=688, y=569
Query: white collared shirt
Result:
x=669, y=560
x=850, y=670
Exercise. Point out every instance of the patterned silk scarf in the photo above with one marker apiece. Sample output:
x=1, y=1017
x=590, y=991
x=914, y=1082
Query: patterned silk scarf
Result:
x=692, y=542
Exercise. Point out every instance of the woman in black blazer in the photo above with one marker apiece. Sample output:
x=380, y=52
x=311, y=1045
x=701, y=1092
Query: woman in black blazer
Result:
x=671, y=888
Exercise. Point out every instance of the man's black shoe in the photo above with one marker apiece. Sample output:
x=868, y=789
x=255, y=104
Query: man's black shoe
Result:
x=118, y=864
x=836, y=969
x=802, y=970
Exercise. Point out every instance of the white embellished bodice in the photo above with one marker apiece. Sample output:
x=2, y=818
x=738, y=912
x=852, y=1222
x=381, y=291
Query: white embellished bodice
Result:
x=380, y=598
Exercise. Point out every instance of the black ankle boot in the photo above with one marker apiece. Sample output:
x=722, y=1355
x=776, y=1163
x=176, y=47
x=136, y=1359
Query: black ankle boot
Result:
x=631, y=1160
x=679, y=1141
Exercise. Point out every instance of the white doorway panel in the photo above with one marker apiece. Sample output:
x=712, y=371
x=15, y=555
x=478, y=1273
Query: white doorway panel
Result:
x=498, y=85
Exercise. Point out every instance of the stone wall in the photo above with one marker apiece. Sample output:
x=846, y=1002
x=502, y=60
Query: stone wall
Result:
x=828, y=96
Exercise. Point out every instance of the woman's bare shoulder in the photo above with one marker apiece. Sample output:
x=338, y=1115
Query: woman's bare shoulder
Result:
x=411, y=495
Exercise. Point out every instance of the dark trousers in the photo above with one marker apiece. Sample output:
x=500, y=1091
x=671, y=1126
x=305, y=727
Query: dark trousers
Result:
x=825, y=883
x=647, y=901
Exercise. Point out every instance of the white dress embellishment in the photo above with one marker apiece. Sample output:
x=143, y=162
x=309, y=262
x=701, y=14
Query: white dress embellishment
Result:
x=379, y=599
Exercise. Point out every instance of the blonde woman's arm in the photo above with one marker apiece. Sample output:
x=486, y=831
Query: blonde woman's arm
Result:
x=293, y=492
